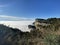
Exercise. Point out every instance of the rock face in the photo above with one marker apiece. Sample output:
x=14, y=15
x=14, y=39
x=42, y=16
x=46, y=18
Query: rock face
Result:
x=43, y=32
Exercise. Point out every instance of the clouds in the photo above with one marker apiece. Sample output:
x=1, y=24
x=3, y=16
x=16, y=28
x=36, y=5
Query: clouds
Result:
x=13, y=18
x=2, y=6
x=16, y=22
x=22, y=25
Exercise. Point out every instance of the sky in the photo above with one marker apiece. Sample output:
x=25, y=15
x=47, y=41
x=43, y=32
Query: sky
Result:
x=29, y=9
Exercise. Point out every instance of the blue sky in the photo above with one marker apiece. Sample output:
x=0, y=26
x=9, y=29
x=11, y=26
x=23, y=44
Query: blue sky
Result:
x=29, y=8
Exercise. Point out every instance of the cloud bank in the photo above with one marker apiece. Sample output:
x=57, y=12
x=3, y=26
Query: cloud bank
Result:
x=22, y=25
x=13, y=18
x=16, y=22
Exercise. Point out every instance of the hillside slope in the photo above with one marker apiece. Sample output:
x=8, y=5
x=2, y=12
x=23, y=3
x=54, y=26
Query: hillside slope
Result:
x=43, y=32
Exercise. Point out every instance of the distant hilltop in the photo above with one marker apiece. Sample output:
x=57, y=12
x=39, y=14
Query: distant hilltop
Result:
x=42, y=32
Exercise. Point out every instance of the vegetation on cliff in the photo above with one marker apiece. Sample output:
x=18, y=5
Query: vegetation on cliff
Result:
x=42, y=32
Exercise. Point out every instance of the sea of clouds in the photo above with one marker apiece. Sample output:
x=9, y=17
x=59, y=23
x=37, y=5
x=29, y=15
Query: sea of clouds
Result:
x=22, y=25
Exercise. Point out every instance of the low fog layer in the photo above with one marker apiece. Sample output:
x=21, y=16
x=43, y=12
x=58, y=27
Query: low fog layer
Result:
x=23, y=25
